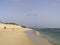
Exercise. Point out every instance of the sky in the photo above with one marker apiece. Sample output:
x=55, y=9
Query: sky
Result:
x=33, y=13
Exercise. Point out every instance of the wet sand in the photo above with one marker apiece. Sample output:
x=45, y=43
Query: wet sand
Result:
x=37, y=38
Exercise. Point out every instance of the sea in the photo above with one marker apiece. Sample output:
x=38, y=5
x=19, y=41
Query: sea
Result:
x=52, y=34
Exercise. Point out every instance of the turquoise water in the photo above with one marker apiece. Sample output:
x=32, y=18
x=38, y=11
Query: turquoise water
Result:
x=52, y=34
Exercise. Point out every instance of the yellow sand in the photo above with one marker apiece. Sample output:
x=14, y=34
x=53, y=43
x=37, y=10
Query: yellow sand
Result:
x=12, y=36
x=16, y=35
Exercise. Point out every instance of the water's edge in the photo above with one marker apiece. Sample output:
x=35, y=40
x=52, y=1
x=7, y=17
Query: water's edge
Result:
x=44, y=36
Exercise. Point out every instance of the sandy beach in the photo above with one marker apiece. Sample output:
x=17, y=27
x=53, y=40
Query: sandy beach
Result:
x=16, y=35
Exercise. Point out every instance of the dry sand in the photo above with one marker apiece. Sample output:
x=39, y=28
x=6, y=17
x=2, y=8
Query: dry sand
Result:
x=16, y=35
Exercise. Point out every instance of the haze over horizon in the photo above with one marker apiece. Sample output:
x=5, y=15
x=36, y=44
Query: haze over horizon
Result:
x=39, y=13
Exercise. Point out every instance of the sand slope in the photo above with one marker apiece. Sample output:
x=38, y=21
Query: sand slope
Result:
x=12, y=36
x=16, y=35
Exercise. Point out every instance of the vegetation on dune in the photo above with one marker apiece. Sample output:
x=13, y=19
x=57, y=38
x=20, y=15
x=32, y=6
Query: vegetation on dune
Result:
x=11, y=23
x=4, y=27
x=23, y=26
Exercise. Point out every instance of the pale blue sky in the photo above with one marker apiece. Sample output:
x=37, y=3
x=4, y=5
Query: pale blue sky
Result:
x=43, y=13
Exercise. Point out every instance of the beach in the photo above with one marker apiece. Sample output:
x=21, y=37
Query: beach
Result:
x=17, y=35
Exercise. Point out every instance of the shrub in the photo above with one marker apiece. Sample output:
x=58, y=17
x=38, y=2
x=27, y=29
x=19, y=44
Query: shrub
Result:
x=23, y=26
x=11, y=23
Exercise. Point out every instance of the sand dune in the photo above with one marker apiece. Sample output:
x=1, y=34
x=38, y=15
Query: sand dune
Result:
x=16, y=35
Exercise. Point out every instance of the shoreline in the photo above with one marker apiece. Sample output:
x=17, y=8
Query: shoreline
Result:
x=36, y=37
x=44, y=36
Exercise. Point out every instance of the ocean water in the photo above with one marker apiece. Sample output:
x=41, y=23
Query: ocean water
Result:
x=52, y=34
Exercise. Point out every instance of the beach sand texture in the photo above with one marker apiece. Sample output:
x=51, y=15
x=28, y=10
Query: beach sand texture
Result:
x=16, y=35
